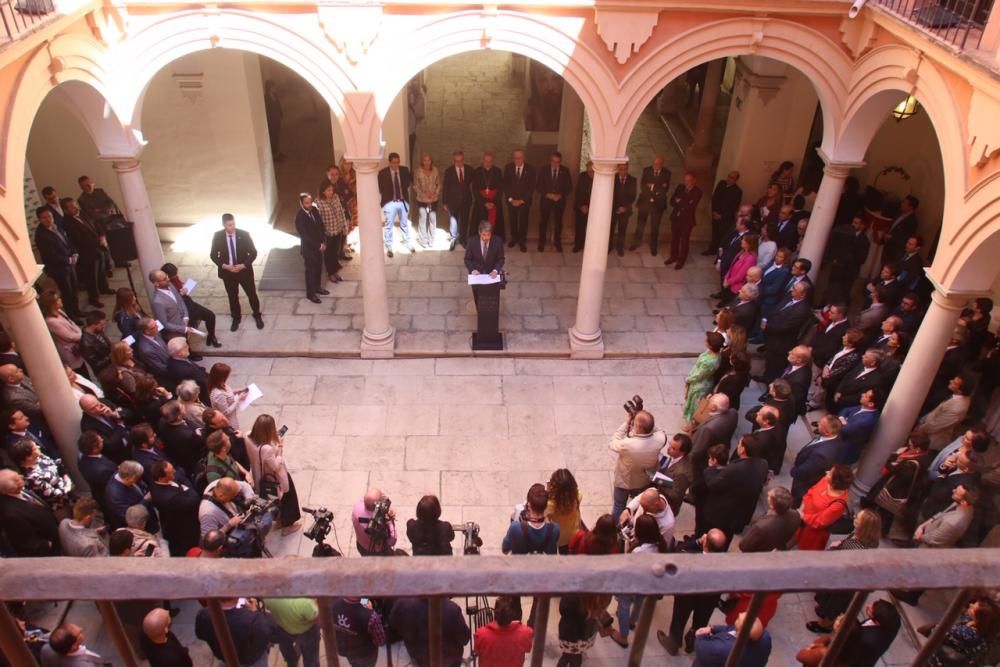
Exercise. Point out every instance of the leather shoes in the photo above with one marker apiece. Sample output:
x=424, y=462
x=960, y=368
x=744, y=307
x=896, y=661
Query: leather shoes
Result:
x=670, y=260
x=195, y=357
x=213, y=342
x=322, y=292
x=389, y=253
x=452, y=246
x=259, y=320
x=678, y=266
x=235, y=325
x=314, y=298
x=512, y=244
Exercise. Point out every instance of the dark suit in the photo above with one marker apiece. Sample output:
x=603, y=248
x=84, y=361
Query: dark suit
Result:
x=115, y=435
x=57, y=213
x=312, y=235
x=716, y=430
x=682, y=221
x=745, y=314
x=652, y=202
x=487, y=188
x=56, y=250
x=153, y=355
x=561, y=185
x=182, y=444
x=522, y=188
x=385, y=185
x=838, y=370
x=92, y=268
x=733, y=491
x=770, y=532
x=39, y=436
x=852, y=385
x=179, y=370
x=474, y=260
x=682, y=474
x=865, y=645
x=902, y=228
x=97, y=470
x=811, y=463
x=246, y=253
x=848, y=250
x=728, y=249
x=581, y=207
x=782, y=334
x=911, y=270
x=31, y=528
x=118, y=497
x=773, y=443
x=800, y=379
x=622, y=197
x=457, y=199
x=726, y=200
x=772, y=288
x=788, y=234
x=826, y=343
x=146, y=458
x=856, y=432
x=178, y=510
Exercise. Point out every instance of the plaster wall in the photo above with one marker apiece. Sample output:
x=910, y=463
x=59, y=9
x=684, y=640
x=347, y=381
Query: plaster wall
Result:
x=395, y=129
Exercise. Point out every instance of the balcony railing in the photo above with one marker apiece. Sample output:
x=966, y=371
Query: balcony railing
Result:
x=437, y=578
x=20, y=16
x=957, y=22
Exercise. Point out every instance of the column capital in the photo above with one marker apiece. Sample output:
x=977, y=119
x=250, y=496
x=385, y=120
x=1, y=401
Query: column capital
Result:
x=18, y=298
x=125, y=164
x=365, y=165
x=950, y=298
x=607, y=165
x=837, y=168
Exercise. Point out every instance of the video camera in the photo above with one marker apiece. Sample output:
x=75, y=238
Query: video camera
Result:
x=247, y=539
x=320, y=528
x=378, y=525
x=472, y=541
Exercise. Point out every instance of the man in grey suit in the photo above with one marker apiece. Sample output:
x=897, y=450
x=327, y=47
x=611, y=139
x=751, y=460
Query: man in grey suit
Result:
x=717, y=429
x=152, y=349
x=169, y=308
x=65, y=647
x=18, y=392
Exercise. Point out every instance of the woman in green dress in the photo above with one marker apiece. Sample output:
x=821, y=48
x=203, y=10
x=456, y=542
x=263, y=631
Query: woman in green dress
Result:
x=700, y=380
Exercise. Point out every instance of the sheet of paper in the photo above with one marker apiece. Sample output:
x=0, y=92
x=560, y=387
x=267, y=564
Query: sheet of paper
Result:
x=159, y=325
x=130, y=340
x=199, y=332
x=190, y=284
x=483, y=279
x=660, y=477
x=253, y=393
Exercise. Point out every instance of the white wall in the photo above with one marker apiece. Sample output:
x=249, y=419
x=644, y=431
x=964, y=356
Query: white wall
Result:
x=208, y=150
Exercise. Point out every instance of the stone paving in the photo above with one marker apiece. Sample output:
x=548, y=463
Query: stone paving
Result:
x=404, y=425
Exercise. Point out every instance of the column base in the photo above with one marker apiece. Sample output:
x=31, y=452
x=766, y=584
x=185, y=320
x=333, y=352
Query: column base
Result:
x=378, y=346
x=585, y=346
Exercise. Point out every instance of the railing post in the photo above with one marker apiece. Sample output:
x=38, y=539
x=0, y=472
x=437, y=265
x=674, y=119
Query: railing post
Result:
x=743, y=636
x=114, y=624
x=434, y=631
x=971, y=22
x=941, y=629
x=222, y=635
x=329, y=631
x=542, y=603
x=12, y=640
x=641, y=634
x=840, y=638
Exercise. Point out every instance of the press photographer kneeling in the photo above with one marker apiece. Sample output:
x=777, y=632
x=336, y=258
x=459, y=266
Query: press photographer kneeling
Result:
x=233, y=508
x=637, y=443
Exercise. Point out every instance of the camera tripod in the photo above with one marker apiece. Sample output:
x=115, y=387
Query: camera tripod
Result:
x=480, y=613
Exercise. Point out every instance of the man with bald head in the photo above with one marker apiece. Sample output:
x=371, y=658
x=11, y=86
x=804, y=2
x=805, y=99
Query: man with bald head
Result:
x=361, y=516
x=700, y=607
x=17, y=391
x=717, y=429
x=108, y=424
x=161, y=647
x=651, y=502
x=169, y=309
x=222, y=503
x=29, y=524
x=66, y=647
x=637, y=443
x=652, y=202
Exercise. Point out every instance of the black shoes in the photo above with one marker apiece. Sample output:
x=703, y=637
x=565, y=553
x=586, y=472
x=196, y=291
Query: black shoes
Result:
x=322, y=292
x=235, y=325
x=195, y=357
x=259, y=320
x=314, y=298
x=212, y=341
x=389, y=253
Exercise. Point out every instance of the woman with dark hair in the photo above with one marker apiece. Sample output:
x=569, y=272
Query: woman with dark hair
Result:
x=148, y=399
x=602, y=540
x=334, y=219
x=897, y=345
x=265, y=449
x=736, y=276
x=648, y=540
x=65, y=331
x=968, y=642
x=767, y=207
x=127, y=312
x=768, y=247
x=581, y=618
x=428, y=535
x=735, y=380
x=564, y=506
x=904, y=474
x=699, y=380
x=822, y=505
x=223, y=398
x=196, y=312
x=736, y=343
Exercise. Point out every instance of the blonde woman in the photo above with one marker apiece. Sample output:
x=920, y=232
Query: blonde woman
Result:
x=427, y=187
x=265, y=448
x=65, y=331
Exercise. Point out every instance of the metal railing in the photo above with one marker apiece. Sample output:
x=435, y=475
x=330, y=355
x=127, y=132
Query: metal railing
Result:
x=437, y=578
x=957, y=22
x=20, y=16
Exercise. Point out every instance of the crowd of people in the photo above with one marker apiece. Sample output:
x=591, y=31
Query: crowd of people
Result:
x=171, y=473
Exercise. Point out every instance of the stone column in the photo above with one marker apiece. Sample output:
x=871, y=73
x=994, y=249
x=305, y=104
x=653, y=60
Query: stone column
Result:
x=914, y=381
x=138, y=210
x=379, y=338
x=699, y=156
x=24, y=321
x=585, y=339
x=824, y=210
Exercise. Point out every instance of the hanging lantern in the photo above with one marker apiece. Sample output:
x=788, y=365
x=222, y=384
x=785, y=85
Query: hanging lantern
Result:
x=906, y=108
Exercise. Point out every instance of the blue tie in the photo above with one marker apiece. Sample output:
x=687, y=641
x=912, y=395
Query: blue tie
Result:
x=232, y=249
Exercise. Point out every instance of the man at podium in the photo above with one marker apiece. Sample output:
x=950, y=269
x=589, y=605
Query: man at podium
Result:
x=484, y=255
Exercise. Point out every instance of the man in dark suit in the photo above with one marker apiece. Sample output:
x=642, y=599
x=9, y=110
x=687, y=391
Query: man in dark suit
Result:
x=125, y=489
x=94, y=467
x=89, y=239
x=180, y=367
x=176, y=501
x=773, y=530
x=581, y=205
x=181, y=442
x=799, y=274
x=859, y=424
x=682, y=219
x=746, y=308
x=621, y=208
x=59, y=256
x=95, y=202
x=487, y=193
x=771, y=436
x=53, y=203
x=152, y=350
x=788, y=231
x=29, y=524
x=18, y=426
x=17, y=391
x=675, y=462
x=651, y=202
x=829, y=340
x=234, y=252
x=781, y=331
x=798, y=374
x=726, y=200
x=717, y=429
x=728, y=249
x=484, y=254
x=816, y=457
x=313, y=243
x=857, y=381
x=733, y=489
x=554, y=186
x=772, y=284
x=107, y=423
x=888, y=282
x=901, y=229
x=394, y=187
x=519, y=188
x=911, y=264
x=8, y=353
x=870, y=639
x=456, y=195
x=847, y=251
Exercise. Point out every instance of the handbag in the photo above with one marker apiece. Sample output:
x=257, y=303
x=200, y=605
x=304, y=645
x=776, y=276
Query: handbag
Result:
x=890, y=503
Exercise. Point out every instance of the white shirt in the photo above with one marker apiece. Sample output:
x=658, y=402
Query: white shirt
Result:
x=831, y=325
x=664, y=519
x=864, y=372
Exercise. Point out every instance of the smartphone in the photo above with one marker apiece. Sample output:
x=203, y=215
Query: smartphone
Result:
x=365, y=602
x=282, y=431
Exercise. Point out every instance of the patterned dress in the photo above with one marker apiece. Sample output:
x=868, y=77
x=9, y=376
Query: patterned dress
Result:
x=700, y=381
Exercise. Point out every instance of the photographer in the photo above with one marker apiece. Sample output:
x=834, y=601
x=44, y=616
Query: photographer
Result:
x=428, y=535
x=653, y=503
x=222, y=504
x=374, y=524
x=638, y=446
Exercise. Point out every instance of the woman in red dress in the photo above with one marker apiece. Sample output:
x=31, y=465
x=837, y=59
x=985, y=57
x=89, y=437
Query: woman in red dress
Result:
x=822, y=505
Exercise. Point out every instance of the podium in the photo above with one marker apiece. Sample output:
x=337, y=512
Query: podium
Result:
x=487, y=335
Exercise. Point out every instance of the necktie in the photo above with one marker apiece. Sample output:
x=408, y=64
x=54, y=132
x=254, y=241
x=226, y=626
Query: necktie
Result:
x=518, y=173
x=623, y=180
x=485, y=246
x=29, y=497
x=232, y=250
x=460, y=175
x=788, y=369
x=397, y=191
x=656, y=174
x=555, y=176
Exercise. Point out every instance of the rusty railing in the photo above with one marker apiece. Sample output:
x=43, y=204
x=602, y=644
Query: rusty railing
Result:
x=960, y=23
x=436, y=578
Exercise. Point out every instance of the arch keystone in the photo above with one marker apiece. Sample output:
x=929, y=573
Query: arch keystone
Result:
x=625, y=31
x=350, y=28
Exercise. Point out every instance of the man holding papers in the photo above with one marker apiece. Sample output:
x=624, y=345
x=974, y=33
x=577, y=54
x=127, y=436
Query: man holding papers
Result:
x=233, y=252
x=170, y=310
x=484, y=255
x=197, y=313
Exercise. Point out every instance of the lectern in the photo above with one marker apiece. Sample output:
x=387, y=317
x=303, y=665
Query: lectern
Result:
x=487, y=335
